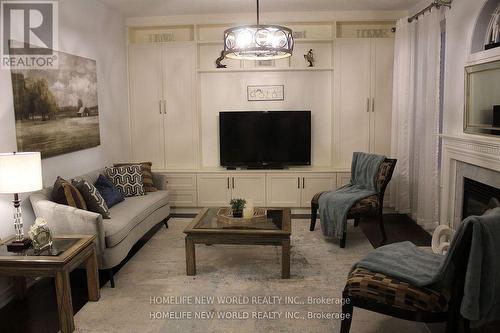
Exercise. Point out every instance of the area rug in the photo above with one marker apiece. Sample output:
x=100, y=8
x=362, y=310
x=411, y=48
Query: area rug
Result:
x=236, y=289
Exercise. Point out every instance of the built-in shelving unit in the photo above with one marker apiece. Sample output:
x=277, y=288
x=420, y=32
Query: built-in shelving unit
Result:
x=274, y=69
x=318, y=36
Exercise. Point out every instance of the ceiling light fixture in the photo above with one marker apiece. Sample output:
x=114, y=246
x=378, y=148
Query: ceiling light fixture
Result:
x=258, y=42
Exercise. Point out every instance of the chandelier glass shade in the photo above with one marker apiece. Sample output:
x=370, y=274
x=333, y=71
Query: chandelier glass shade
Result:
x=258, y=42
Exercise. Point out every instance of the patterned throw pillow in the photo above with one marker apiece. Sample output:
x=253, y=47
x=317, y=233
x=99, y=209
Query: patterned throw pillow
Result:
x=108, y=191
x=127, y=179
x=66, y=194
x=93, y=198
x=147, y=175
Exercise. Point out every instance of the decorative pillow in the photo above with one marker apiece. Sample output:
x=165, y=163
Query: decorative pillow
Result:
x=66, y=194
x=127, y=179
x=95, y=201
x=147, y=175
x=108, y=191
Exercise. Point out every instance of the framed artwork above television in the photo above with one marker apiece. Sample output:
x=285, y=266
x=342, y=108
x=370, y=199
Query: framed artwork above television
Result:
x=266, y=93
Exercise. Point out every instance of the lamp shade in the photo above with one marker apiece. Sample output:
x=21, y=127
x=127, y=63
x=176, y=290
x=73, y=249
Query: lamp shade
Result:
x=20, y=172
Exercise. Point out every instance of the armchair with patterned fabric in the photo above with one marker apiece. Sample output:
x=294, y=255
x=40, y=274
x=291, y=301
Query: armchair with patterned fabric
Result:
x=367, y=207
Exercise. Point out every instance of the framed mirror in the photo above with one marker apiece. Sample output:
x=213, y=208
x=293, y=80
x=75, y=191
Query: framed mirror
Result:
x=482, y=99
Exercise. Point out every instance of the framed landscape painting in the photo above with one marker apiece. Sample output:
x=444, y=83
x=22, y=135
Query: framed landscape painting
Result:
x=56, y=111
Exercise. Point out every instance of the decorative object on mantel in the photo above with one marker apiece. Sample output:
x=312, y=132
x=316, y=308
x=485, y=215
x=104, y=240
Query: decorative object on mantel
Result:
x=441, y=239
x=56, y=111
x=40, y=235
x=309, y=57
x=237, y=206
x=260, y=41
x=492, y=38
x=225, y=217
x=20, y=173
x=219, y=59
x=266, y=93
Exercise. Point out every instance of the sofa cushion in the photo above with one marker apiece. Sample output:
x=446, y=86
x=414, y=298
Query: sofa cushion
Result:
x=108, y=191
x=127, y=179
x=147, y=175
x=93, y=198
x=66, y=194
x=129, y=213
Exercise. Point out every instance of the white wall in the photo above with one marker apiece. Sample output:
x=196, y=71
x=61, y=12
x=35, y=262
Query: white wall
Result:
x=89, y=29
x=303, y=91
x=460, y=22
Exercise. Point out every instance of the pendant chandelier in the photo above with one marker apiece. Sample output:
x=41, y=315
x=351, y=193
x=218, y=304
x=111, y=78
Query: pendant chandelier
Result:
x=258, y=42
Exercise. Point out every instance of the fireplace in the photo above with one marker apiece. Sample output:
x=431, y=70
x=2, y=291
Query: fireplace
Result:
x=478, y=197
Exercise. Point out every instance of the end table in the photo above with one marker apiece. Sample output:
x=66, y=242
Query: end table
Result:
x=67, y=253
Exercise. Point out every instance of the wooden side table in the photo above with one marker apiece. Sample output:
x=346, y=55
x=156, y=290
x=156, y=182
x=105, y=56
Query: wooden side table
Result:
x=68, y=252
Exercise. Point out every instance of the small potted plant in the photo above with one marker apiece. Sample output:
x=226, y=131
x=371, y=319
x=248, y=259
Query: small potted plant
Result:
x=237, y=206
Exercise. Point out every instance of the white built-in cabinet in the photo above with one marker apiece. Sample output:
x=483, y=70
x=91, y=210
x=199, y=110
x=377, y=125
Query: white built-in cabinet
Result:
x=217, y=189
x=363, y=96
x=162, y=104
x=297, y=189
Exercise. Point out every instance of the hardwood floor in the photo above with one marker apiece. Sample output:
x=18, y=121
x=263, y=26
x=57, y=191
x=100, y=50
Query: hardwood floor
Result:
x=37, y=313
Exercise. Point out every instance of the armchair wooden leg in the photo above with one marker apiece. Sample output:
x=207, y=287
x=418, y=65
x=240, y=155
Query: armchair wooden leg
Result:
x=347, y=310
x=165, y=222
x=111, y=277
x=356, y=222
x=342, y=241
x=382, y=228
x=314, y=216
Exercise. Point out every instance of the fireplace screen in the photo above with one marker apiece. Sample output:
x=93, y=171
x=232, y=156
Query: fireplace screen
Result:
x=478, y=197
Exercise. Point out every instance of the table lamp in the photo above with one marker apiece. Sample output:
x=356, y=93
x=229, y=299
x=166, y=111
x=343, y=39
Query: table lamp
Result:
x=20, y=173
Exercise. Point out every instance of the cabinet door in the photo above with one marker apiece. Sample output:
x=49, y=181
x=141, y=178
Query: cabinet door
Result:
x=382, y=73
x=343, y=178
x=316, y=182
x=283, y=190
x=352, y=98
x=213, y=189
x=250, y=186
x=145, y=96
x=182, y=189
x=179, y=93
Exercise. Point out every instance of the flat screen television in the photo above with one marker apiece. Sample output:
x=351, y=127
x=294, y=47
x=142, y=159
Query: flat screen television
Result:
x=265, y=139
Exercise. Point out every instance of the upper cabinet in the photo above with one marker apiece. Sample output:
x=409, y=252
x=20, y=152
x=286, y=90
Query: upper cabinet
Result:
x=363, y=97
x=162, y=104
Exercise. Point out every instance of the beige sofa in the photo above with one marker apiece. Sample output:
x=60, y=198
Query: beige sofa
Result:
x=130, y=220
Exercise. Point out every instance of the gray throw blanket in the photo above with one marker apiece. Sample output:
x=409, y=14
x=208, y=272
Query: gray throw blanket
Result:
x=334, y=206
x=407, y=262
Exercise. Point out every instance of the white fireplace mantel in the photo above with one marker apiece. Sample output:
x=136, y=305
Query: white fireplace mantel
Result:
x=483, y=152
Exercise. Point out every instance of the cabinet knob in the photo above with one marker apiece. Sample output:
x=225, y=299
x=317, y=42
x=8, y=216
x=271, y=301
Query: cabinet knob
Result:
x=159, y=106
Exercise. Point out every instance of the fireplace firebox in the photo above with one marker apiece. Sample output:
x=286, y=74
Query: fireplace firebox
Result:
x=478, y=197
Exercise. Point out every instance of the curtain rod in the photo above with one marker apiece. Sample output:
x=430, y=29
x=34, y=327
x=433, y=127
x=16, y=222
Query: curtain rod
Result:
x=436, y=3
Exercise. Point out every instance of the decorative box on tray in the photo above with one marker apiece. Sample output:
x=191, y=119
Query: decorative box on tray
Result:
x=225, y=217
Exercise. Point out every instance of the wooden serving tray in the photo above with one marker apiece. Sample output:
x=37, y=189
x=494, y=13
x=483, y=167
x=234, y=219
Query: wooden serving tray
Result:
x=225, y=217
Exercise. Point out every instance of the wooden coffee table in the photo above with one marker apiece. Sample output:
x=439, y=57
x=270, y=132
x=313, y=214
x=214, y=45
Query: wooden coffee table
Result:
x=68, y=252
x=205, y=229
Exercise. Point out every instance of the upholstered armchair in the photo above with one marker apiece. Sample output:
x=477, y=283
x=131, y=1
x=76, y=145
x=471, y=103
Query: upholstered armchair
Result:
x=367, y=207
x=390, y=296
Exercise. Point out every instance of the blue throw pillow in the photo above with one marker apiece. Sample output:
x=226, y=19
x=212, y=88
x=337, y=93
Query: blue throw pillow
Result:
x=108, y=191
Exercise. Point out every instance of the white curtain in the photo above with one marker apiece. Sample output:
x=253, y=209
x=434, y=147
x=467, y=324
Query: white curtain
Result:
x=415, y=122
